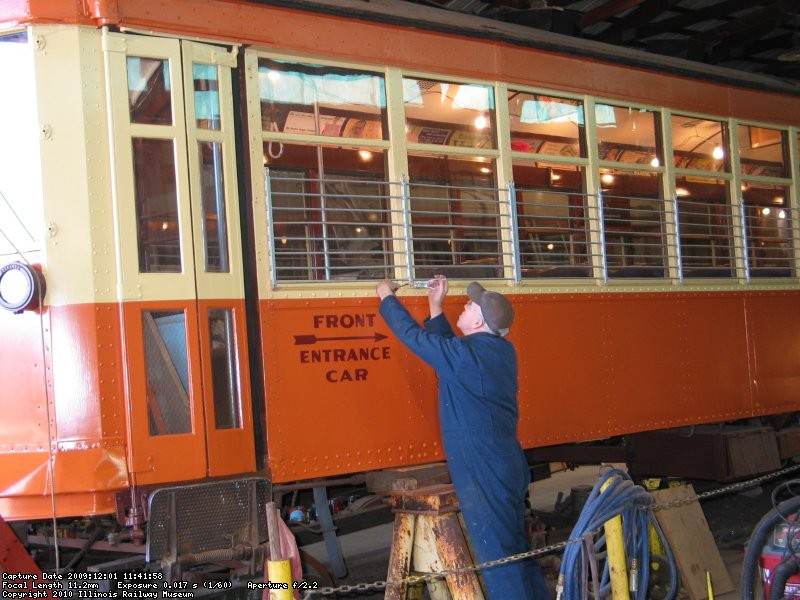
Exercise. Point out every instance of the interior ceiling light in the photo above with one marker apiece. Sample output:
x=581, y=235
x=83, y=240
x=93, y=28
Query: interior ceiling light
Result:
x=717, y=152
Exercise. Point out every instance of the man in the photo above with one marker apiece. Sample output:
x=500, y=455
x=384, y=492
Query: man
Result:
x=478, y=416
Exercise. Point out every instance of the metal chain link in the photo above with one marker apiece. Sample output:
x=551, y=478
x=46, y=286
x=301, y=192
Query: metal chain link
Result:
x=415, y=579
x=741, y=485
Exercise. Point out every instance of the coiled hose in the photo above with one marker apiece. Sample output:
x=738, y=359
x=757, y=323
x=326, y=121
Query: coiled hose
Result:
x=613, y=495
x=761, y=533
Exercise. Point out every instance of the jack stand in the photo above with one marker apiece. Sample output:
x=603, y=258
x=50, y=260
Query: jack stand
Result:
x=429, y=535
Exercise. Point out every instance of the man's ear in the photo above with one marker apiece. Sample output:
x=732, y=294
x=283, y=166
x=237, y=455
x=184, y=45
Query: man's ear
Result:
x=477, y=321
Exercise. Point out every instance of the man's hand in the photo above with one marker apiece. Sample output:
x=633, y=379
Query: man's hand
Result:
x=436, y=295
x=386, y=288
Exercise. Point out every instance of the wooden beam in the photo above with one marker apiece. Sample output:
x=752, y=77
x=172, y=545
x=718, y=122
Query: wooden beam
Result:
x=629, y=27
x=607, y=10
x=744, y=25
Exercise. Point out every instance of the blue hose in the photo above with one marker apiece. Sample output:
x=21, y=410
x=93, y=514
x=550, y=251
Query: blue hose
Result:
x=634, y=504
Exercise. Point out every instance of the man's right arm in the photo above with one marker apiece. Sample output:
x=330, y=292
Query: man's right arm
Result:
x=436, y=296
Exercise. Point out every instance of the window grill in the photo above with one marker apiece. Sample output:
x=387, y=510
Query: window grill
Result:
x=337, y=229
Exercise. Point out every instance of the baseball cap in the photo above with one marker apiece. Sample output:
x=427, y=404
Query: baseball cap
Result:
x=497, y=310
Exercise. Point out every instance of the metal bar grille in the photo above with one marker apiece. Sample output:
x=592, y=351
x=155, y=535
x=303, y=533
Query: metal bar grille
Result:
x=334, y=229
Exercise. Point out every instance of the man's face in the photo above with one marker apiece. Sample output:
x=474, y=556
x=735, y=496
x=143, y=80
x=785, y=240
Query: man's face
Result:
x=470, y=319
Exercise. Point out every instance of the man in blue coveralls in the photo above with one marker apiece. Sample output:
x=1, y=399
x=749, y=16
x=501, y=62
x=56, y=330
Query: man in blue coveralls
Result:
x=478, y=415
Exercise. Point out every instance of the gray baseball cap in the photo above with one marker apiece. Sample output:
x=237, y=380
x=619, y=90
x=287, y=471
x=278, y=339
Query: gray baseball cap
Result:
x=497, y=310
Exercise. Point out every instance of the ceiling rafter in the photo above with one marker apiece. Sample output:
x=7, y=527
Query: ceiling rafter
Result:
x=754, y=20
x=756, y=36
x=607, y=10
x=628, y=28
x=686, y=18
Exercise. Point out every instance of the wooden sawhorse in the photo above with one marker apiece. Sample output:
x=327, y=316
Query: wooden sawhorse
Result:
x=429, y=537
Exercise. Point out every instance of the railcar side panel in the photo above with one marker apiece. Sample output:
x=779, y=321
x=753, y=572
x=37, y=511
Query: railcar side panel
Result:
x=342, y=395
x=591, y=366
x=24, y=357
x=644, y=361
x=774, y=326
x=73, y=441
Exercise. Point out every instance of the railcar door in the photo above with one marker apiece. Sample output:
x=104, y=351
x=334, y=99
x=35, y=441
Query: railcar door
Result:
x=179, y=258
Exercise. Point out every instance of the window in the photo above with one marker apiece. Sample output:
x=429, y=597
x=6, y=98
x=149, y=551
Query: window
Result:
x=628, y=135
x=454, y=214
x=167, y=371
x=318, y=100
x=149, y=91
x=704, y=223
x=212, y=198
x=335, y=214
x=762, y=151
x=449, y=114
x=156, y=197
x=329, y=213
x=552, y=220
x=224, y=370
x=766, y=215
x=700, y=144
x=633, y=224
x=546, y=125
x=702, y=204
x=206, y=96
x=329, y=204
x=768, y=230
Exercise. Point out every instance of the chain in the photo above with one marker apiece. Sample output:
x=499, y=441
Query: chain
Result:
x=725, y=490
x=415, y=579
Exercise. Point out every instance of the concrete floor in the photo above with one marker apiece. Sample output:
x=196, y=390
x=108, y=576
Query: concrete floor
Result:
x=367, y=552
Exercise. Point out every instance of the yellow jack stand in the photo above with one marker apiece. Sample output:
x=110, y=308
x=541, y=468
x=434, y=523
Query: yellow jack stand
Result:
x=429, y=537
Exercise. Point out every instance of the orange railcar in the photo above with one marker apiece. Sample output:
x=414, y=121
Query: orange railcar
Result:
x=182, y=325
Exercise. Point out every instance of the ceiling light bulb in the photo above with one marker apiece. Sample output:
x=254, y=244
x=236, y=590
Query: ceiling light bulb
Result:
x=607, y=178
x=655, y=162
x=365, y=155
x=717, y=153
x=481, y=122
x=765, y=211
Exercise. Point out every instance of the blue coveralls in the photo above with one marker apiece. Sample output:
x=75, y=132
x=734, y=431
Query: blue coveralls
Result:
x=478, y=417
